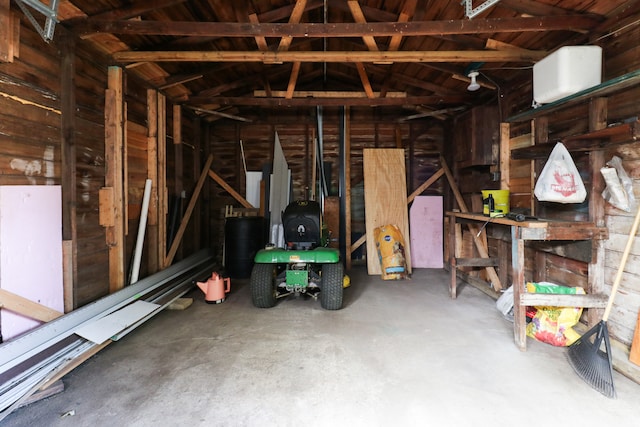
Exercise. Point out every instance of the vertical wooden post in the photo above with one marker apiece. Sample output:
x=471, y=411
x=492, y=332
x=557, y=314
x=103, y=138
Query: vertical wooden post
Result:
x=178, y=165
x=347, y=186
x=68, y=161
x=505, y=156
x=8, y=38
x=162, y=178
x=595, y=279
x=517, y=271
x=152, y=174
x=113, y=176
x=177, y=145
x=540, y=135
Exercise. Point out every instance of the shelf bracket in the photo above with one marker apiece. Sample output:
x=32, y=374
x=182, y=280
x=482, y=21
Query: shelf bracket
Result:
x=50, y=13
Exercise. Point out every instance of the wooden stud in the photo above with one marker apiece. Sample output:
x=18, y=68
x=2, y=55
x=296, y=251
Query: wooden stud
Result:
x=347, y=184
x=68, y=271
x=106, y=214
x=596, y=267
x=152, y=174
x=162, y=178
x=6, y=36
x=505, y=156
x=114, y=139
x=68, y=161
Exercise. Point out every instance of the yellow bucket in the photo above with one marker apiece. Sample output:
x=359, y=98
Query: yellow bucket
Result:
x=500, y=201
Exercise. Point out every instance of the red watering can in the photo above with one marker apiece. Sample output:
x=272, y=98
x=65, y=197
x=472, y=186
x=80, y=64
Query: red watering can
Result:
x=214, y=288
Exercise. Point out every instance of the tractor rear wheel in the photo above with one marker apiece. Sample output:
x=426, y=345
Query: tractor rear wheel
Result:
x=262, y=282
x=332, y=290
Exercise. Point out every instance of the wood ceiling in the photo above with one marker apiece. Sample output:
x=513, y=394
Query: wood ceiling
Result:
x=231, y=59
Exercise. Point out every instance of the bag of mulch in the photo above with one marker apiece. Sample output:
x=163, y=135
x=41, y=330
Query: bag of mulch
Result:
x=554, y=325
x=390, y=246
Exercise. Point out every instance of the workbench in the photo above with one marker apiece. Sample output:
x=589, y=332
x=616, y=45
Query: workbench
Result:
x=522, y=231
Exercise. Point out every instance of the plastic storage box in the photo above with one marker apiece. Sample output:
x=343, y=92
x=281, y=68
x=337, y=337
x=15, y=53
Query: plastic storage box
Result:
x=568, y=70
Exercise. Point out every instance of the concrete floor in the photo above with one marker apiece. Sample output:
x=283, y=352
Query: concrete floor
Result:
x=399, y=354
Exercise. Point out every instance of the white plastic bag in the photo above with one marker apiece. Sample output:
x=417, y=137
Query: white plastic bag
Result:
x=619, y=187
x=560, y=180
x=504, y=304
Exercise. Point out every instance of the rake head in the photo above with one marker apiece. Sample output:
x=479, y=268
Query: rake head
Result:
x=590, y=362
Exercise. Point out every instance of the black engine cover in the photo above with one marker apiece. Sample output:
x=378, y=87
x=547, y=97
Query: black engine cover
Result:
x=301, y=223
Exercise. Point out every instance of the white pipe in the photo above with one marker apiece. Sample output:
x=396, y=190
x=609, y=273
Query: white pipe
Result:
x=142, y=226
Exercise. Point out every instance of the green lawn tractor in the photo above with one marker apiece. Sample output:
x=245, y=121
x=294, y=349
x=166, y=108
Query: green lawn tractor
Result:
x=305, y=266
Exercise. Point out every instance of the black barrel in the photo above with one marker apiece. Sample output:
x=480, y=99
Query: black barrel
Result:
x=244, y=236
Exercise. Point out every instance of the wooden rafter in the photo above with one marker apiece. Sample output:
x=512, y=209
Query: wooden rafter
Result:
x=407, y=12
x=292, y=80
x=285, y=42
x=261, y=41
x=295, y=17
x=362, y=72
x=358, y=16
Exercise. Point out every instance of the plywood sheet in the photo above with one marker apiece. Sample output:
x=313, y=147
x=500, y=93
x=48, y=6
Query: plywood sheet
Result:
x=426, y=218
x=385, y=199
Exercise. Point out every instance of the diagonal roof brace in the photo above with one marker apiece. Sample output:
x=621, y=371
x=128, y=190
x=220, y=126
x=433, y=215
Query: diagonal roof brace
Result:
x=50, y=13
x=471, y=12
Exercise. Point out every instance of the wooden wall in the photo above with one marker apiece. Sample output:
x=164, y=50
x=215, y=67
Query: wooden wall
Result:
x=569, y=265
x=52, y=132
x=423, y=141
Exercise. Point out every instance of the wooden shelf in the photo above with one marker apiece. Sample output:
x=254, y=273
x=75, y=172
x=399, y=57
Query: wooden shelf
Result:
x=598, y=140
x=603, y=89
x=520, y=232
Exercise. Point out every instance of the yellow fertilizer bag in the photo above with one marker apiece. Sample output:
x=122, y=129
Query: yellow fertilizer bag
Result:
x=390, y=246
x=554, y=325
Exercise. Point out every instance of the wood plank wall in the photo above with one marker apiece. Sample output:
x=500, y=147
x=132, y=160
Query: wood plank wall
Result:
x=621, y=56
x=45, y=80
x=423, y=141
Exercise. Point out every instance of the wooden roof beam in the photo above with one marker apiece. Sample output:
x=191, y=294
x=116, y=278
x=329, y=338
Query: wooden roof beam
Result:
x=324, y=94
x=576, y=23
x=511, y=55
x=333, y=102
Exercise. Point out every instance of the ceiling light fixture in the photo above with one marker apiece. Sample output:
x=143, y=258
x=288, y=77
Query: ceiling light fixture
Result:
x=473, y=86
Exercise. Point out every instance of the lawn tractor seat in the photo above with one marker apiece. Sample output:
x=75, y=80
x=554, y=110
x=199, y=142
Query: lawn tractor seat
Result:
x=302, y=226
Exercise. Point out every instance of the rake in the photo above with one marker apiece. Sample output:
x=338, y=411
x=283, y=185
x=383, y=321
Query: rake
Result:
x=586, y=356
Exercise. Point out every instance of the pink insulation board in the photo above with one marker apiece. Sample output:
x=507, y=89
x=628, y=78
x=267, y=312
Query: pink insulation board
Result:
x=30, y=251
x=426, y=222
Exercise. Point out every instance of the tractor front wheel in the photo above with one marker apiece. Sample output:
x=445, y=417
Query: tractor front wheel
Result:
x=332, y=288
x=262, y=282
